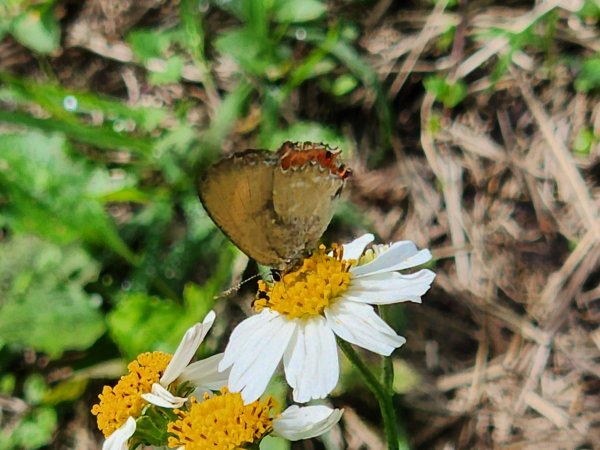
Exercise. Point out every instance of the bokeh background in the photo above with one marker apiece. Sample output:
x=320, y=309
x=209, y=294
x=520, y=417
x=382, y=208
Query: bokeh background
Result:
x=472, y=128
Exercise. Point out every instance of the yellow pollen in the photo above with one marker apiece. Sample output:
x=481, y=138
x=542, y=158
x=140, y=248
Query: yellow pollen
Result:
x=125, y=399
x=308, y=290
x=221, y=422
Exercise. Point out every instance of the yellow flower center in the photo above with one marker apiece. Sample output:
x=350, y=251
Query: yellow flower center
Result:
x=125, y=399
x=308, y=290
x=221, y=422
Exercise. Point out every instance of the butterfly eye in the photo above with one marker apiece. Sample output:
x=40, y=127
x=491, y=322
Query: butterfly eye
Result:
x=276, y=275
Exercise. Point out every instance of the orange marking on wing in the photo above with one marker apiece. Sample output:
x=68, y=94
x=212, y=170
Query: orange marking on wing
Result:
x=298, y=155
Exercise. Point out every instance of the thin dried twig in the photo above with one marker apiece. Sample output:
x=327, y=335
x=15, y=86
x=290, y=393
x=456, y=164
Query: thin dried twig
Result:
x=424, y=37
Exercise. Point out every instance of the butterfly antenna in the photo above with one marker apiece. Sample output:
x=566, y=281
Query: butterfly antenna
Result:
x=235, y=288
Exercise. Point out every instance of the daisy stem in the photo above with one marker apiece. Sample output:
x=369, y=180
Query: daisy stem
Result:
x=381, y=393
x=387, y=377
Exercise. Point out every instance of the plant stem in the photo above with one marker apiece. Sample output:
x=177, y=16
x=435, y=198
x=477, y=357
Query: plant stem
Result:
x=387, y=377
x=383, y=395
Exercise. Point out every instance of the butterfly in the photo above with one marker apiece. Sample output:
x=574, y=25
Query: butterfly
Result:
x=275, y=206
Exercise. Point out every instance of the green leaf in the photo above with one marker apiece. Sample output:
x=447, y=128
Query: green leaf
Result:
x=68, y=105
x=450, y=94
x=8, y=382
x=446, y=39
x=197, y=299
x=172, y=151
x=147, y=44
x=584, y=141
x=251, y=52
x=590, y=10
x=142, y=323
x=192, y=24
x=43, y=303
x=124, y=195
x=589, y=78
x=256, y=13
x=51, y=195
x=296, y=11
x=343, y=85
x=170, y=73
x=100, y=137
x=37, y=29
x=34, y=430
x=34, y=388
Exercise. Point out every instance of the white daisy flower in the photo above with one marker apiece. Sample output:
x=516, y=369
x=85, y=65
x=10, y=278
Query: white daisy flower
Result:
x=148, y=380
x=223, y=421
x=300, y=315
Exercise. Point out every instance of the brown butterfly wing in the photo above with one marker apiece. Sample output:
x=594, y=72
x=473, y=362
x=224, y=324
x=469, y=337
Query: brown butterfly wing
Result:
x=237, y=194
x=274, y=206
x=303, y=204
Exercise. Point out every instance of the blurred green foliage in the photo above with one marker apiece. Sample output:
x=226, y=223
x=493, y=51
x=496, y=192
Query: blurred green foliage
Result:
x=450, y=94
x=589, y=76
x=42, y=290
x=33, y=24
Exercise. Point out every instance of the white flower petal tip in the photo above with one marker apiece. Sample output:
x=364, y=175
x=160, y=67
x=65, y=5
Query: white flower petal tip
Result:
x=254, y=350
x=383, y=289
x=306, y=422
x=398, y=256
x=354, y=249
x=358, y=324
x=187, y=348
x=118, y=440
x=163, y=398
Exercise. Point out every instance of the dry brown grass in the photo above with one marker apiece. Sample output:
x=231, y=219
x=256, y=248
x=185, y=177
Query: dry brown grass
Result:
x=509, y=335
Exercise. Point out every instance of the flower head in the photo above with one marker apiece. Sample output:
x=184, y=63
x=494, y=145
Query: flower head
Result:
x=223, y=421
x=124, y=400
x=148, y=381
x=300, y=315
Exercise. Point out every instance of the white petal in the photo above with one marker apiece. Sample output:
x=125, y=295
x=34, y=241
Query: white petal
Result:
x=358, y=324
x=354, y=249
x=187, y=349
x=163, y=398
x=205, y=373
x=118, y=439
x=400, y=255
x=396, y=288
x=240, y=339
x=302, y=423
x=255, y=351
x=311, y=361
